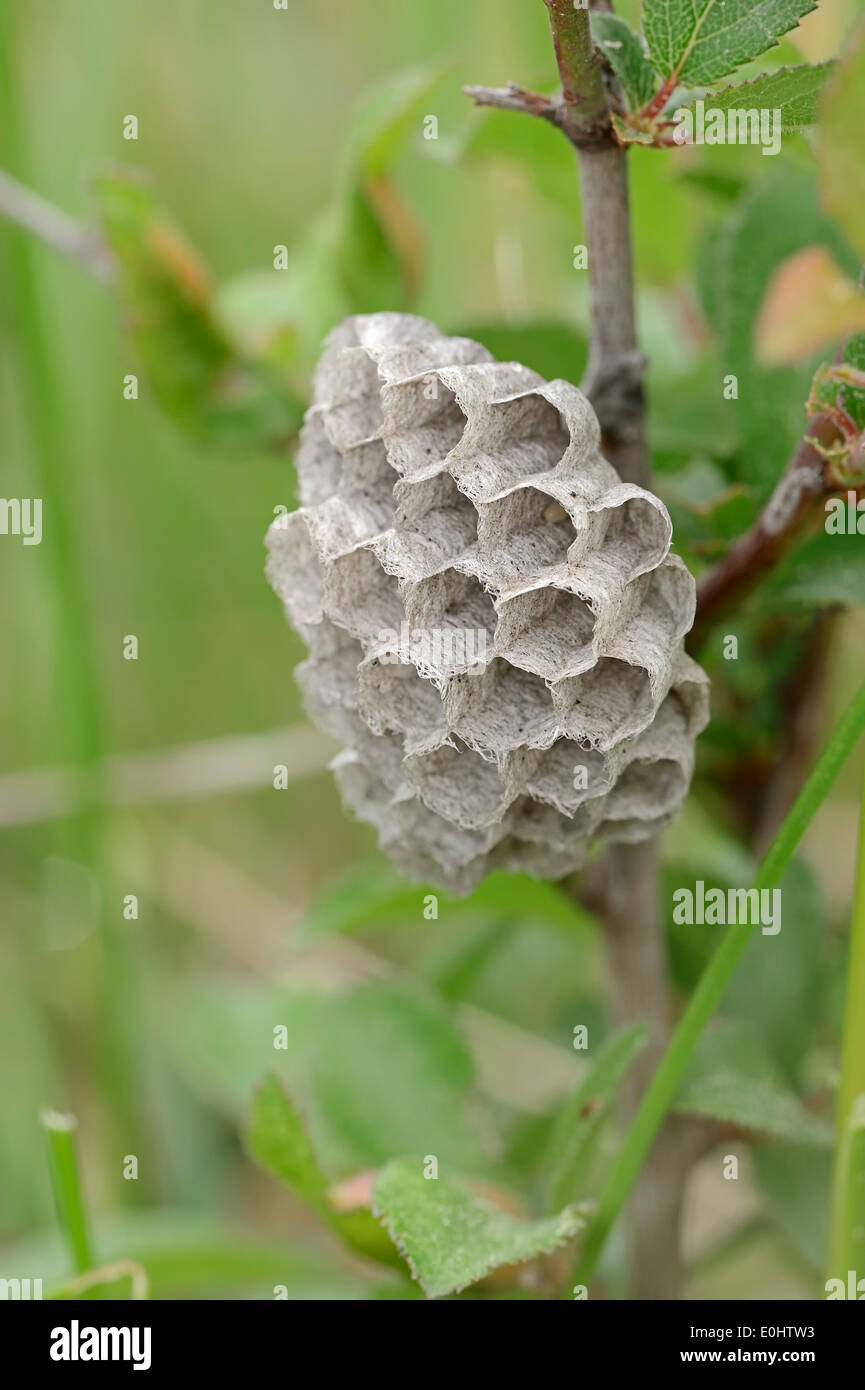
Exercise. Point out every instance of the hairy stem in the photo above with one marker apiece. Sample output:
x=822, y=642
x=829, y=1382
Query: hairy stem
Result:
x=613, y=380
x=628, y=899
x=624, y=894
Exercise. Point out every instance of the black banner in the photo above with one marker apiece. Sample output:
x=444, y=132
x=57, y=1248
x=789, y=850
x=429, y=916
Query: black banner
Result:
x=146, y=1339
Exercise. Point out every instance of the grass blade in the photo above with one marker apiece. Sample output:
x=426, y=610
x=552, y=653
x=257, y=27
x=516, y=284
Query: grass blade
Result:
x=667, y=1079
x=847, y=1220
x=66, y=1186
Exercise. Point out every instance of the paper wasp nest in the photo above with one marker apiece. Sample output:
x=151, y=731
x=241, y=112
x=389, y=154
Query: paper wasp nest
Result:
x=494, y=619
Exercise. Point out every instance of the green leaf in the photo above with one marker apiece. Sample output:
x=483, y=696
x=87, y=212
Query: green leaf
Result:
x=775, y=218
x=625, y=52
x=731, y=1078
x=377, y=249
x=370, y=897
x=218, y=1035
x=277, y=1139
x=698, y=41
x=376, y=245
x=776, y=987
x=822, y=571
x=198, y=376
x=389, y=1074
x=360, y=254
x=450, y=1237
x=389, y=112
x=792, y=91
x=842, y=169
x=580, y=1118
x=852, y=398
x=797, y=1182
x=550, y=347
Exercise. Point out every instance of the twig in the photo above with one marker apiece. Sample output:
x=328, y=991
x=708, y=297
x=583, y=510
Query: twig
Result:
x=613, y=383
x=638, y=972
x=234, y=763
x=514, y=98
x=54, y=227
x=804, y=482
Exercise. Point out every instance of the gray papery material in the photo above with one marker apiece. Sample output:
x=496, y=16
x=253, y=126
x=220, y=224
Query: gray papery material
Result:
x=495, y=621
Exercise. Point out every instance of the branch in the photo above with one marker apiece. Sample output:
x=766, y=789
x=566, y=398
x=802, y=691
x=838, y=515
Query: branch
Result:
x=627, y=876
x=583, y=92
x=514, y=98
x=54, y=227
x=804, y=482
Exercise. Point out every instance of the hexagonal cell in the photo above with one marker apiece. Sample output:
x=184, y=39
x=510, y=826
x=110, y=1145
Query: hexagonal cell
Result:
x=375, y=332
x=384, y=752
x=605, y=705
x=367, y=472
x=548, y=631
x=362, y=598
x=342, y=523
x=331, y=667
x=631, y=832
x=691, y=686
x=363, y=792
x=293, y=568
x=452, y=622
x=458, y=784
x=436, y=423
x=503, y=709
x=637, y=530
x=538, y=860
x=318, y=463
x=449, y=846
x=392, y=695
x=507, y=441
x=672, y=594
x=538, y=824
x=558, y=775
x=348, y=385
x=522, y=536
x=433, y=526
x=646, y=790
x=666, y=611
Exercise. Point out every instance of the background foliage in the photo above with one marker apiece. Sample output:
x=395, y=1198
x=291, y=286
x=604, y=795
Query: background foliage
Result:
x=260, y=909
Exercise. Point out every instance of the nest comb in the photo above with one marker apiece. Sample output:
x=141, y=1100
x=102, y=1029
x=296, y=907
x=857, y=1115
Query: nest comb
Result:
x=494, y=619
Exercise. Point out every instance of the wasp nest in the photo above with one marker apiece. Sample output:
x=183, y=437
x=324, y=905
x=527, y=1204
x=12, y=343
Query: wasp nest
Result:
x=495, y=622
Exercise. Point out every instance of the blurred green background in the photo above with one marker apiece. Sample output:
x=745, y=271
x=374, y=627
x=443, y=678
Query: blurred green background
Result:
x=154, y=1031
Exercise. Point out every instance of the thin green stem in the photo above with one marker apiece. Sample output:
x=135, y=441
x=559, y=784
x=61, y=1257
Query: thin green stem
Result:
x=847, y=1220
x=580, y=73
x=76, y=685
x=66, y=1186
x=77, y=697
x=668, y=1077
